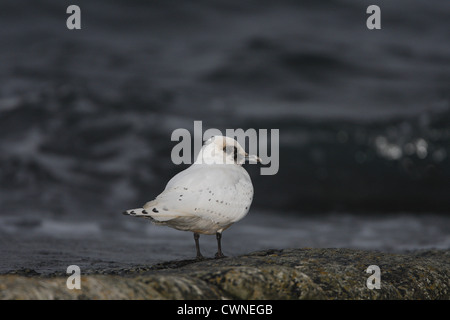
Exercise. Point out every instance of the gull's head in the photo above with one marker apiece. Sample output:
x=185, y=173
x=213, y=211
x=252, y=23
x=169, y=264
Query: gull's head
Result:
x=224, y=150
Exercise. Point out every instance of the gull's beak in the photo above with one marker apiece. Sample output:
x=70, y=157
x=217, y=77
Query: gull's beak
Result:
x=252, y=158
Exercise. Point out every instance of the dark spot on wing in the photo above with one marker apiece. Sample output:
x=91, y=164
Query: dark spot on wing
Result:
x=154, y=210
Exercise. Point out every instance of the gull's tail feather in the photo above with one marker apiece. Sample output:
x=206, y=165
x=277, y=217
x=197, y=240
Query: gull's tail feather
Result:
x=153, y=212
x=139, y=212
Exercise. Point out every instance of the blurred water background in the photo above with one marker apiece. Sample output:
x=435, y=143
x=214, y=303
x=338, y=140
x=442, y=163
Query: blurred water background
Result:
x=86, y=118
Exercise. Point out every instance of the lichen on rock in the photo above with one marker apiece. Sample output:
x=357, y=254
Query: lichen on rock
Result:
x=269, y=274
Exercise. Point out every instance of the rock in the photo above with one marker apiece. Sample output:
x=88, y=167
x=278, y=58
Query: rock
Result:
x=269, y=274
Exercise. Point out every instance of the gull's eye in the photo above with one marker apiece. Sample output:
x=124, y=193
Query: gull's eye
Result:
x=231, y=150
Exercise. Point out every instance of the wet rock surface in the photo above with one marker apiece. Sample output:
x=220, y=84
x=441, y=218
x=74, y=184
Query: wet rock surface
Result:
x=268, y=274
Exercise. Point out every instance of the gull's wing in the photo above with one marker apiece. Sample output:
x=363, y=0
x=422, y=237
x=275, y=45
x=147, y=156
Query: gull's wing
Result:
x=221, y=193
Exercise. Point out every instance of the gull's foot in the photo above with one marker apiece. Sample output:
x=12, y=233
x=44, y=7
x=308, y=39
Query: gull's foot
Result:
x=219, y=255
x=199, y=257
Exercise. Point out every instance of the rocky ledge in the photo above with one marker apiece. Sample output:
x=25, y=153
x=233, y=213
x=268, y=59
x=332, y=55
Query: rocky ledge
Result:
x=269, y=274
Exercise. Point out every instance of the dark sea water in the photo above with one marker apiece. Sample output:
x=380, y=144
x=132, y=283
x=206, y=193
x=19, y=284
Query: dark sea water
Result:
x=51, y=245
x=86, y=118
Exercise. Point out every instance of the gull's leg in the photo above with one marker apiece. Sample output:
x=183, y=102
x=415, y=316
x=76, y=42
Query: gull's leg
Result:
x=197, y=246
x=219, y=253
